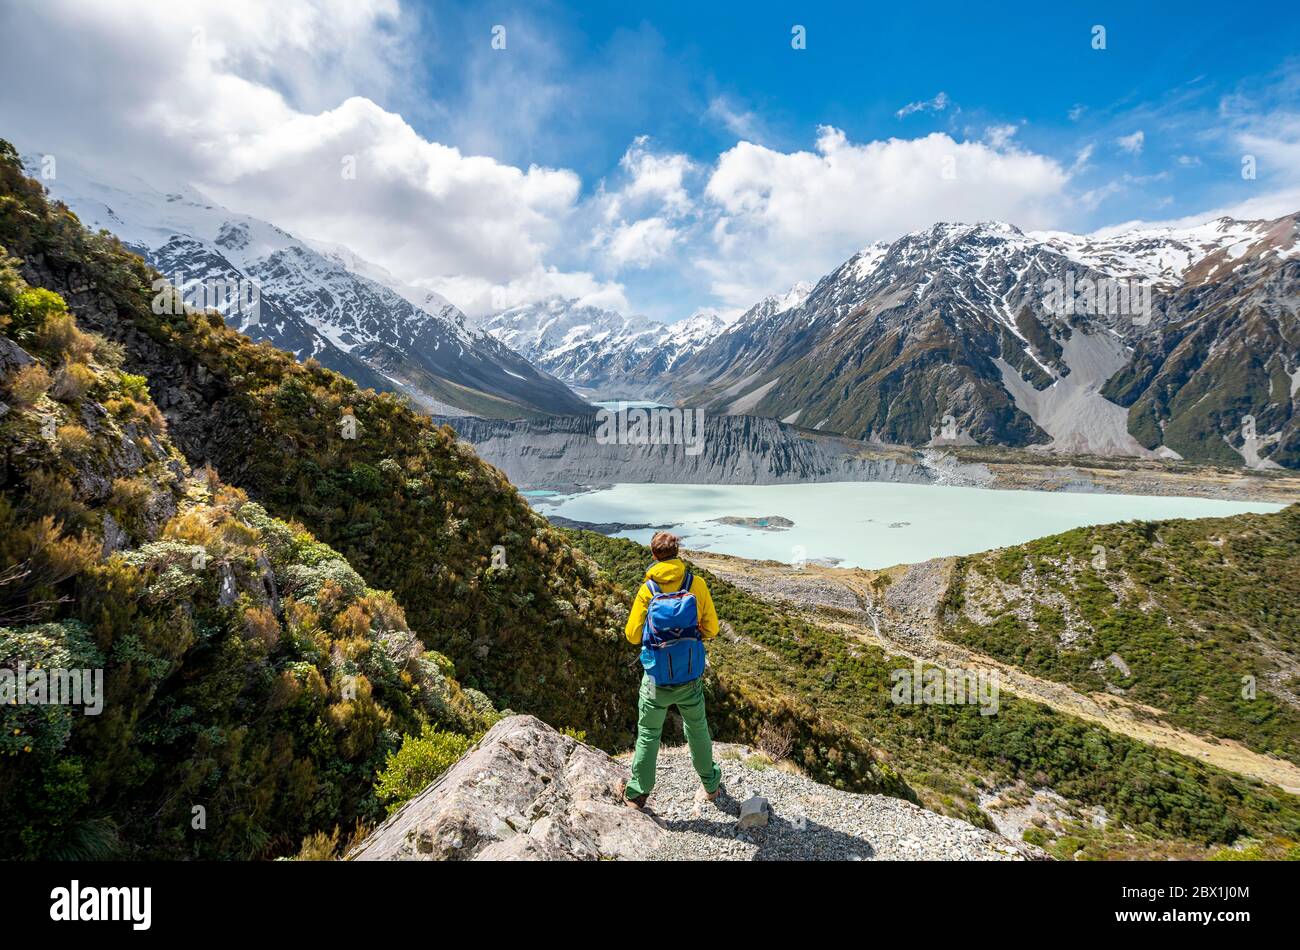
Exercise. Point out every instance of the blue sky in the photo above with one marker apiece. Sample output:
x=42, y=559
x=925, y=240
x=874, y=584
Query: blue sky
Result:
x=633, y=69
x=663, y=157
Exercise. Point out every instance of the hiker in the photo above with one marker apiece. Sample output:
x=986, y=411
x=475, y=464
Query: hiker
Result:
x=671, y=618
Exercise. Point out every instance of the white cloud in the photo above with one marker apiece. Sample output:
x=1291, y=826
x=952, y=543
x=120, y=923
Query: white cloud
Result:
x=640, y=243
x=999, y=136
x=259, y=103
x=656, y=177
x=1132, y=143
x=1275, y=142
x=738, y=121
x=478, y=297
x=638, y=223
x=937, y=104
x=228, y=97
x=782, y=217
x=1091, y=199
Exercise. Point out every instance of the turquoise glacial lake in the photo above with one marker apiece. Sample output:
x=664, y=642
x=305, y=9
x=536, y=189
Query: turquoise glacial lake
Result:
x=867, y=524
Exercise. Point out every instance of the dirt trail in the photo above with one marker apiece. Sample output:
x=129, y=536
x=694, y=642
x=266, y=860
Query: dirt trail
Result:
x=900, y=618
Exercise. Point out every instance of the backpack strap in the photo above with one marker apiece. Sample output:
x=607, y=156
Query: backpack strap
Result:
x=686, y=589
x=652, y=586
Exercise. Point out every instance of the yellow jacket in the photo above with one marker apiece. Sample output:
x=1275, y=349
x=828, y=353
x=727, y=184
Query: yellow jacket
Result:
x=669, y=575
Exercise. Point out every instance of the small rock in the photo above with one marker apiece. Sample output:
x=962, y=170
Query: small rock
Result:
x=753, y=813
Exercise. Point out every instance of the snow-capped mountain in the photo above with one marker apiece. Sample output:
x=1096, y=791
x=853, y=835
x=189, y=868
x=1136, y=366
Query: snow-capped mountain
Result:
x=602, y=352
x=986, y=334
x=314, y=299
x=1170, y=257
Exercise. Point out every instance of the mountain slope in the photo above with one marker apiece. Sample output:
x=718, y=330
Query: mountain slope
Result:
x=315, y=300
x=480, y=576
x=526, y=616
x=1219, y=377
x=601, y=351
x=1198, y=619
x=953, y=335
x=251, y=684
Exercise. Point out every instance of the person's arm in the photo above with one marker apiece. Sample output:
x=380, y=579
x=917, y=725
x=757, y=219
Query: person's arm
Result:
x=636, y=618
x=708, y=615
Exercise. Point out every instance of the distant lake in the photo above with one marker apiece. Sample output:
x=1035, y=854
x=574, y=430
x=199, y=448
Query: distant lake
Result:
x=868, y=524
x=622, y=405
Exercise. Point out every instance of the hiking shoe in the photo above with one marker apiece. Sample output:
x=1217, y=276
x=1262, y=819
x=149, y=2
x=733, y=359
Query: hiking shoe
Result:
x=634, y=801
x=703, y=796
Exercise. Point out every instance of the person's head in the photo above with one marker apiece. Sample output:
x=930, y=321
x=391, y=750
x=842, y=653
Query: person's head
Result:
x=664, y=545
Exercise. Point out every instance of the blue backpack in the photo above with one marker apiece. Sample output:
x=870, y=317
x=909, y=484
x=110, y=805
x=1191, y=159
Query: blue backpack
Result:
x=672, y=646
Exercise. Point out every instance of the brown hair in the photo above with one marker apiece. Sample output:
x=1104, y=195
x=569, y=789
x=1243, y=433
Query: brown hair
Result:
x=664, y=545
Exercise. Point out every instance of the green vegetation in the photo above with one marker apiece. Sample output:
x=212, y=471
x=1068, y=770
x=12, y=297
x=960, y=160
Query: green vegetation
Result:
x=420, y=760
x=252, y=683
x=408, y=507
x=1202, y=618
x=772, y=659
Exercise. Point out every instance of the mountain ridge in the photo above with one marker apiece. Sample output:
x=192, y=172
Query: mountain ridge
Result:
x=950, y=335
x=315, y=299
x=601, y=351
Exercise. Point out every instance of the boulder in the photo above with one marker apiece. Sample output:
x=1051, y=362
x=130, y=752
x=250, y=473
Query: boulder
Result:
x=754, y=813
x=12, y=357
x=524, y=792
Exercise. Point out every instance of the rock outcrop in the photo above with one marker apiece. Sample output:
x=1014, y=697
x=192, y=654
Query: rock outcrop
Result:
x=527, y=792
x=524, y=792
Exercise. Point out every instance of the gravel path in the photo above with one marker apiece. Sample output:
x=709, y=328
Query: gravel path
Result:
x=808, y=821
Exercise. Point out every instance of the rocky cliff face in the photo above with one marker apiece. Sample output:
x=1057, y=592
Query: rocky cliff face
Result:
x=732, y=450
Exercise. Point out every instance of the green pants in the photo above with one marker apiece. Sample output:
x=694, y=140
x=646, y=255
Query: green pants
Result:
x=652, y=710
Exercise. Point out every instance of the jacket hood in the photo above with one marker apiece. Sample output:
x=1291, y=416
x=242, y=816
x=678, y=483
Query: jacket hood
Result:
x=667, y=574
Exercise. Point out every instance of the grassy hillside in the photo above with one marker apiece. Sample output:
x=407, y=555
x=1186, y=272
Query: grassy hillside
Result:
x=253, y=683
x=1199, y=619
x=482, y=578
x=949, y=754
